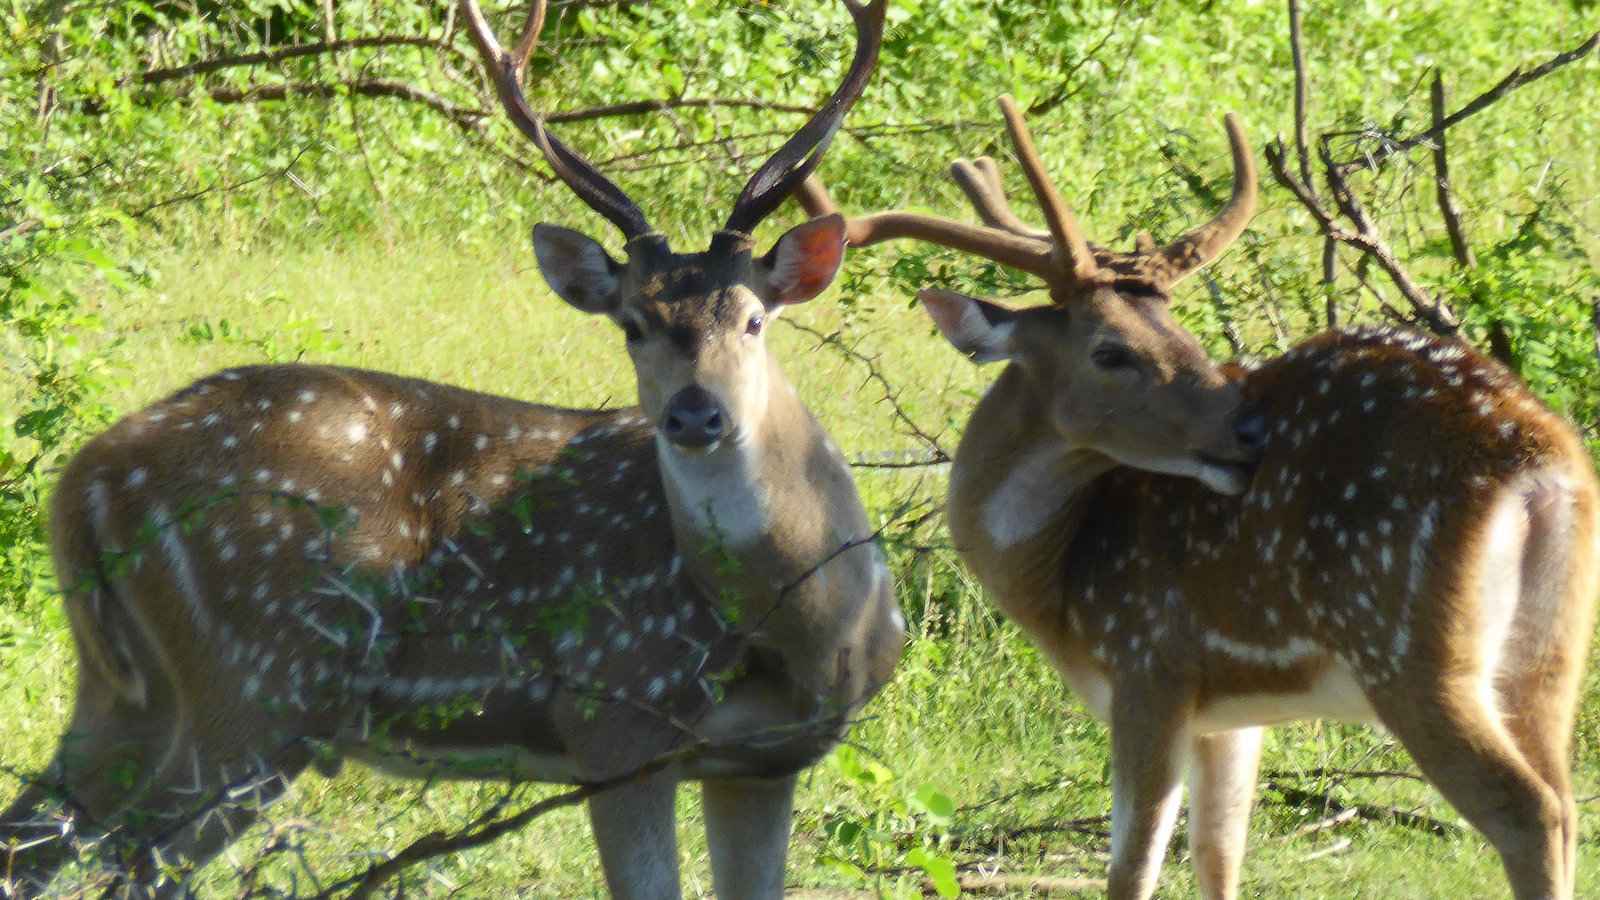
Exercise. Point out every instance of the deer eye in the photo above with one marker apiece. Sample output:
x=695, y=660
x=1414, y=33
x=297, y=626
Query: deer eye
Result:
x=1113, y=356
x=753, y=327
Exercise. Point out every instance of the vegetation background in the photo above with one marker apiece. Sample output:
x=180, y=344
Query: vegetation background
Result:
x=360, y=202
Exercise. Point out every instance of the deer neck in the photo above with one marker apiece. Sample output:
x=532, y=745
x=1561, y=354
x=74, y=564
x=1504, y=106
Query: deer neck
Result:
x=773, y=530
x=1018, y=493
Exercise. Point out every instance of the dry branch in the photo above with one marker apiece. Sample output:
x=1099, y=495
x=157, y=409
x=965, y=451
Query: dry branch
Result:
x=891, y=395
x=1428, y=310
x=1517, y=78
x=465, y=117
x=157, y=76
x=1441, y=180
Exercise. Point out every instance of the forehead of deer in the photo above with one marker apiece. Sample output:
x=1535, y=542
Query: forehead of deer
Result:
x=676, y=285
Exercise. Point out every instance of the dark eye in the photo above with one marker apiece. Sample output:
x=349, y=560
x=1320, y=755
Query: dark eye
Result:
x=753, y=327
x=631, y=330
x=1113, y=356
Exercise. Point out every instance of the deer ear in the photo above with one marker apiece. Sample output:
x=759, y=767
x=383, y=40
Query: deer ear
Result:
x=978, y=328
x=802, y=263
x=577, y=268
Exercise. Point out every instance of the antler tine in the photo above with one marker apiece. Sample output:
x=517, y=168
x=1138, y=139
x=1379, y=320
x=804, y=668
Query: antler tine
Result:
x=530, y=36
x=798, y=157
x=580, y=175
x=1077, y=263
x=1207, y=242
x=980, y=181
x=813, y=198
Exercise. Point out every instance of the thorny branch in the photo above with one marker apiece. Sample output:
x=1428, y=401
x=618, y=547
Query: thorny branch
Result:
x=936, y=453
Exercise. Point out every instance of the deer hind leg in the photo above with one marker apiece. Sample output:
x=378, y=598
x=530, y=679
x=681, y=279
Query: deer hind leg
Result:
x=747, y=828
x=634, y=828
x=102, y=763
x=205, y=796
x=1541, y=668
x=1222, y=786
x=1451, y=714
x=1149, y=746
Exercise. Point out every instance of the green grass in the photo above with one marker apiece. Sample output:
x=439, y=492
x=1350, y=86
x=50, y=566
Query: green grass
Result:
x=974, y=712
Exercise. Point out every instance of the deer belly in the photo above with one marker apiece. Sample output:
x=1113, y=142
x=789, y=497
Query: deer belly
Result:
x=1333, y=693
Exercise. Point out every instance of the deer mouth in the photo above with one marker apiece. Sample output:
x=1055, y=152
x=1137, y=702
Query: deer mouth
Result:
x=1225, y=476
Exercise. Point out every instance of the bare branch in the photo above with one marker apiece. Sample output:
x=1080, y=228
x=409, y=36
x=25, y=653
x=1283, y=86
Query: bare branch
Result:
x=640, y=107
x=1517, y=78
x=157, y=76
x=1301, y=97
x=890, y=394
x=465, y=117
x=1441, y=179
x=1429, y=310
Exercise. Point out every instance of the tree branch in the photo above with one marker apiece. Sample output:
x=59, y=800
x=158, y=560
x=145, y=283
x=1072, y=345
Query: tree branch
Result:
x=157, y=76
x=465, y=117
x=1506, y=85
x=1441, y=180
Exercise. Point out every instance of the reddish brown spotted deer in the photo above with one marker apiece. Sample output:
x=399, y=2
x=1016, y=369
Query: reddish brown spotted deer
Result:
x=286, y=564
x=1377, y=525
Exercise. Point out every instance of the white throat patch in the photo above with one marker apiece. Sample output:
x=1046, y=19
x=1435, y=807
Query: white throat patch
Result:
x=1029, y=497
x=720, y=492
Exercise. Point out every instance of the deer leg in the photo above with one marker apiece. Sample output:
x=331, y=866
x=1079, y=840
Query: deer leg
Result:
x=1149, y=742
x=198, y=803
x=1540, y=675
x=1222, y=786
x=100, y=766
x=747, y=827
x=1458, y=742
x=633, y=827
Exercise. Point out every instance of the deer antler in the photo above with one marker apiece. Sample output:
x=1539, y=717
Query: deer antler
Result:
x=980, y=181
x=1061, y=255
x=580, y=175
x=765, y=190
x=1077, y=263
x=780, y=175
x=1207, y=242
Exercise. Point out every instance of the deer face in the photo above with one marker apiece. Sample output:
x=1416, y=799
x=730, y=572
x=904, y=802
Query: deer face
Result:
x=1113, y=373
x=695, y=324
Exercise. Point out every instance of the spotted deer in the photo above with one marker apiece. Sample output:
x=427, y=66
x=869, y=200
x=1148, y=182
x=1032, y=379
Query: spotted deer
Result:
x=1378, y=525
x=286, y=565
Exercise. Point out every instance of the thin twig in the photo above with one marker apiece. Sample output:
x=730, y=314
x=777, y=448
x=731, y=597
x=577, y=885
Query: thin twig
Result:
x=157, y=76
x=890, y=394
x=1441, y=180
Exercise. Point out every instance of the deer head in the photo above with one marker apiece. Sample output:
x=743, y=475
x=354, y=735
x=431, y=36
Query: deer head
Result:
x=694, y=322
x=1104, y=363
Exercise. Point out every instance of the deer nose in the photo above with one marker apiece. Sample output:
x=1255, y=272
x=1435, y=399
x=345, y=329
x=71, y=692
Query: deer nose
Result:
x=1251, y=430
x=694, y=418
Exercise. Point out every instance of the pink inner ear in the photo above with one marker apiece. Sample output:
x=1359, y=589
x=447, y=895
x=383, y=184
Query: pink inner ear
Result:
x=808, y=259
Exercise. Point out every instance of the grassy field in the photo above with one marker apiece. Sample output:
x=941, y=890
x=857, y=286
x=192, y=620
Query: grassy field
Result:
x=974, y=713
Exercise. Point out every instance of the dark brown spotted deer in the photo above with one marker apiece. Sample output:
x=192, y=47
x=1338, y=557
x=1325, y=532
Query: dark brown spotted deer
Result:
x=283, y=565
x=1378, y=525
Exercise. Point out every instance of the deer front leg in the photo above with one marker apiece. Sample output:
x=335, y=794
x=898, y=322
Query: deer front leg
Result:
x=634, y=829
x=1149, y=746
x=1222, y=785
x=747, y=827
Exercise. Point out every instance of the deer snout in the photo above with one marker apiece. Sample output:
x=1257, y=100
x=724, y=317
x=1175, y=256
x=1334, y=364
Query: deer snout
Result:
x=1250, y=428
x=694, y=419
